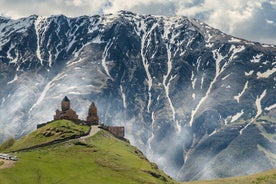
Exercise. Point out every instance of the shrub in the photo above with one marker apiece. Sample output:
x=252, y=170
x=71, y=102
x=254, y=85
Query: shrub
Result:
x=7, y=144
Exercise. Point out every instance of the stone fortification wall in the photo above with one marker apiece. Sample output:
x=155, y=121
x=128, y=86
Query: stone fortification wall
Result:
x=117, y=131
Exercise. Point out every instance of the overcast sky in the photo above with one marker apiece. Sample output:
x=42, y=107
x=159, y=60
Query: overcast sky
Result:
x=250, y=19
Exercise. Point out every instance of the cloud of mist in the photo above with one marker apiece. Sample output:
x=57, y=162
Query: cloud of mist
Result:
x=169, y=153
x=19, y=95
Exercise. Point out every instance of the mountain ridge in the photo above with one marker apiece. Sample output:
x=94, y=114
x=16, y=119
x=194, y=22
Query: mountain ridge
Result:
x=176, y=84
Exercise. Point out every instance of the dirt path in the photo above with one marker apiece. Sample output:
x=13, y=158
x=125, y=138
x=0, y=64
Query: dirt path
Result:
x=94, y=129
x=7, y=164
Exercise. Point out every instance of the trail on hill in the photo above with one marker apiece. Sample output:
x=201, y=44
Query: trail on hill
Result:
x=94, y=129
x=7, y=164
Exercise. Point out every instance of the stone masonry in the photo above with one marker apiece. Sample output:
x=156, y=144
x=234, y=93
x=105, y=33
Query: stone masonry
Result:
x=66, y=111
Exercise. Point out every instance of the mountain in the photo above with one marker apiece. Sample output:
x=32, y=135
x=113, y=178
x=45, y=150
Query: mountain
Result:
x=101, y=158
x=198, y=102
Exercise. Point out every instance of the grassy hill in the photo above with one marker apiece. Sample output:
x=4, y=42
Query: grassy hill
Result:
x=57, y=130
x=268, y=177
x=99, y=159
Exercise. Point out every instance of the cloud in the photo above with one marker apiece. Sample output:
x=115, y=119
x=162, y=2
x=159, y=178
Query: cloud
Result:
x=269, y=21
x=249, y=19
x=257, y=27
x=156, y=7
x=244, y=18
x=71, y=8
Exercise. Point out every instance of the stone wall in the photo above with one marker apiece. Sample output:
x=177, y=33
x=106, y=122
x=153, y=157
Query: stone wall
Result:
x=117, y=131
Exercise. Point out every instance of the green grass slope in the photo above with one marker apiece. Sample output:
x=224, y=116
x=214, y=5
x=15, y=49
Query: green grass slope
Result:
x=59, y=129
x=100, y=159
x=268, y=177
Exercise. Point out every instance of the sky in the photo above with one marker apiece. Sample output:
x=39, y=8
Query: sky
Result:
x=254, y=20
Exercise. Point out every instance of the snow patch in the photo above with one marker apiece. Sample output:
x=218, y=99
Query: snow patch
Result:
x=266, y=62
x=234, y=40
x=241, y=93
x=259, y=110
x=270, y=107
x=235, y=50
x=202, y=82
x=97, y=40
x=193, y=79
x=213, y=133
x=237, y=116
x=166, y=79
x=198, y=63
x=267, y=45
x=257, y=58
x=38, y=52
x=226, y=76
x=258, y=104
x=249, y=73
x=208, y=41
x=151, y=137
x=144, y=34
x=73, y=62
x=218, y=57
x=266, y=74
x=123, y=96
x=13, y=80
x=104, y=56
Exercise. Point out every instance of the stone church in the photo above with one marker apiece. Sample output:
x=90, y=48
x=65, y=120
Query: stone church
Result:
x=67, y=113
x=92, y=118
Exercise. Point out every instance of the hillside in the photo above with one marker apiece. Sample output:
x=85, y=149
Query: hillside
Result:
x=268, y=177
x=101, y=158
x=57, y=130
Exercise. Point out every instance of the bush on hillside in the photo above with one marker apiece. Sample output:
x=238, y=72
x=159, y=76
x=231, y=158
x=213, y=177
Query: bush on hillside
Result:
x=7, y=144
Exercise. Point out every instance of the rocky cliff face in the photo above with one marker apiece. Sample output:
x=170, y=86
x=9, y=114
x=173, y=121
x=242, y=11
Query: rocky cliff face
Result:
x=198, y=102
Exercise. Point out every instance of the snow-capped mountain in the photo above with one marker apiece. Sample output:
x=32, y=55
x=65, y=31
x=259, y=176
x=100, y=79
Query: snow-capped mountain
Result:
x=198, y=102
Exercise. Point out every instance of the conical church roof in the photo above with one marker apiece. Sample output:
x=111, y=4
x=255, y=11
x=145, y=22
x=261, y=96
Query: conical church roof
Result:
x=66, y=99
x=92, y=104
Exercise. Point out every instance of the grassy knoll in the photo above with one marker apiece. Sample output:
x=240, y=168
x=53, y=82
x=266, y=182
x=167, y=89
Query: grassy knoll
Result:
x=98, y=159
x=268, y=177
x=1, y=163
x=56, y=130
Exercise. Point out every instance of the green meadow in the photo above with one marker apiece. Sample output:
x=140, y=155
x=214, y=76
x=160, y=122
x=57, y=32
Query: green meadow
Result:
x=98, y=159
x=268, y=177
x=59, y=129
